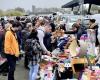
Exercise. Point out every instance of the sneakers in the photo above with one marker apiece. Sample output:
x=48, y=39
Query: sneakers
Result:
x=17, y=62
x=22, y=52
x=4, y=74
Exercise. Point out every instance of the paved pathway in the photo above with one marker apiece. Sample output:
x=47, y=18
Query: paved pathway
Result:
x=20, y=74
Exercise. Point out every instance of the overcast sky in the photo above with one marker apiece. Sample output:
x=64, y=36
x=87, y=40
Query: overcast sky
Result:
x=27, y=4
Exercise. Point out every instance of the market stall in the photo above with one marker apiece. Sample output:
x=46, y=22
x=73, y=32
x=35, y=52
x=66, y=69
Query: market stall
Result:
x=72, y=61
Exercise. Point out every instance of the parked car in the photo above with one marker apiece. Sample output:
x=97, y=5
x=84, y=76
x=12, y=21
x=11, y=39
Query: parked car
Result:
x=71, y=21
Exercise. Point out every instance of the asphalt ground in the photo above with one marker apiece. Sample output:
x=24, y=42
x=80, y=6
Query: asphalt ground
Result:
x=20, y=74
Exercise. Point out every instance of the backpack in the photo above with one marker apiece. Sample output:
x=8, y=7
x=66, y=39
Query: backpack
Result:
x=32, y=47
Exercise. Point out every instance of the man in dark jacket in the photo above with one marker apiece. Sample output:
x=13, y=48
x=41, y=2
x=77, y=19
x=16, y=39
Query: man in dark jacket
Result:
x=77, y=29
x=25, y=34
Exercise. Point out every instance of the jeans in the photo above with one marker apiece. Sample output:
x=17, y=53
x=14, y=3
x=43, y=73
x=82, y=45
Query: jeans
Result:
x=98, y=65
x=33, y=71
x=12, y=65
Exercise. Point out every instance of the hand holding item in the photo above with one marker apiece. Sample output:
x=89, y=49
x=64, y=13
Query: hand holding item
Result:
x=49, y=53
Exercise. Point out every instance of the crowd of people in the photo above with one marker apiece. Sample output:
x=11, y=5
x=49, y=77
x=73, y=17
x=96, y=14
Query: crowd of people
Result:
x=36, y=37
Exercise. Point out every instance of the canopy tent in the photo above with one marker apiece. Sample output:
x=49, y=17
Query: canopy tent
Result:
x=71, y=4
x=75, y=3
x=96, y=2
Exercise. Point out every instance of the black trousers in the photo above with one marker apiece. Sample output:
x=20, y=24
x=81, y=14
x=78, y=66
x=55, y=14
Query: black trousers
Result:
x=12, y=65
x=26, y=61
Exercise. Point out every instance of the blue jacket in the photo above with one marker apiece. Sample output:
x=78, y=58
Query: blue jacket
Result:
x=62, y=42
